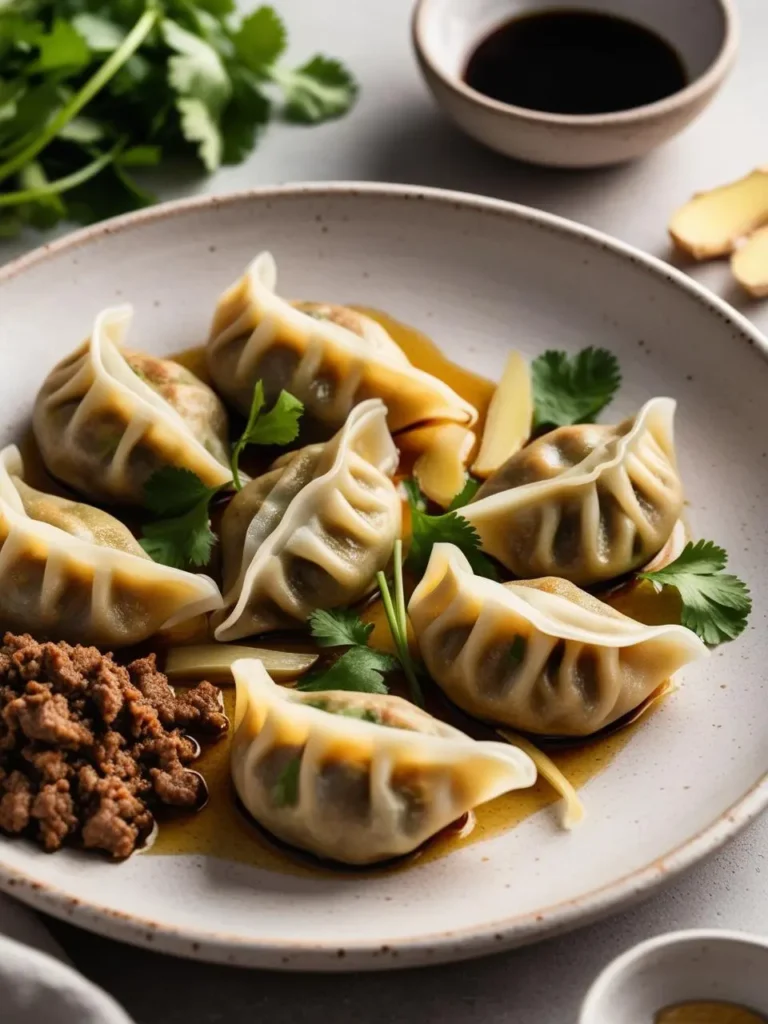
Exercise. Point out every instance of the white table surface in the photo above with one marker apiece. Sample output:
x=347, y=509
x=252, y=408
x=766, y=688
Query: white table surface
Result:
x=396, y=134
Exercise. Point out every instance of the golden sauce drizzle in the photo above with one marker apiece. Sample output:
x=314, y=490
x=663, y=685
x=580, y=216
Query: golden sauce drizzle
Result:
x=222, y=830
x=708, y=1013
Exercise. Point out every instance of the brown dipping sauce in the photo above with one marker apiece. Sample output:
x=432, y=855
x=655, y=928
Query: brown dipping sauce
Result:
x=708, y=1013
x=575, y=62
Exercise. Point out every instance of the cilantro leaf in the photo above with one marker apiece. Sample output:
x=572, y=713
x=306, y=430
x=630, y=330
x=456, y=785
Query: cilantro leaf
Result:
x=449, y=528
x=196, y=70
x=171, y=491
x=465, y=495
x=716, y=604
x=278, y=426
x=199, y=127
x=101, y=34
x=62, y=47
x=340, y=627
x=574, y=389
x=319, y=90
x=245, y=116
x=360, y=668
x=261, y=39
x=181, y=541
x=185, y=536
x=285, y=791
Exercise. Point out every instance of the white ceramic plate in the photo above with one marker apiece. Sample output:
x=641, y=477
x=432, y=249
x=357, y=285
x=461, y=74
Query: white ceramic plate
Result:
x=479, y=276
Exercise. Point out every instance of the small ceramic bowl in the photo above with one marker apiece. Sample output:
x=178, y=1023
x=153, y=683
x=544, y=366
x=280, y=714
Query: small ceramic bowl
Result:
x=446, y=32
x=690, y=966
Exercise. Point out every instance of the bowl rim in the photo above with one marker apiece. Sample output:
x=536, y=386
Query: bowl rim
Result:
x=459, y=943
x=692, y=92
x=639, y=952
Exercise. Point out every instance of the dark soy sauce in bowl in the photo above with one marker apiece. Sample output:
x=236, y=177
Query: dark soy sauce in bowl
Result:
x=575, y=62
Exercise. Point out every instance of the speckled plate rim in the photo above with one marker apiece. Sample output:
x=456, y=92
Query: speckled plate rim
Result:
x=449, y=945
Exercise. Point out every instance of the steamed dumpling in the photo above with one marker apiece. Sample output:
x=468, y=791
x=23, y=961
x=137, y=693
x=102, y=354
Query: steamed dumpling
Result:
x=107, y=418
x=358, y=777
x=587, y=503
x=72, y=572
x=328, y=356
x=541, y=656
x=314, y=531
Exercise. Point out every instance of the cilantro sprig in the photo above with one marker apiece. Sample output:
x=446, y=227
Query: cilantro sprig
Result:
x=280, y=425
x=448, y=528
x=716, y=604
x=183, y=536
x=572, y=389
x=397, y=620
x=361, y=668
x=92, y=90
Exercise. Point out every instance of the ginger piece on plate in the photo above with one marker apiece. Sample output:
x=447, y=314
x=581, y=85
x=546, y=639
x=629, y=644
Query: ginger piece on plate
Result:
x=214, y=661
x=749, y=264
x=713, y=222
x=509, y=420
x=442, y=451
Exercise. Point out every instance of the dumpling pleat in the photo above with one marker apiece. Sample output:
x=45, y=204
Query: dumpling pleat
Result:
x=542, y=657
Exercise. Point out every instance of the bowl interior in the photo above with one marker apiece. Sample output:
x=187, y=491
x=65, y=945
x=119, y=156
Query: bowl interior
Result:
x=450, y=29
x=479, y=277
x=662, y=973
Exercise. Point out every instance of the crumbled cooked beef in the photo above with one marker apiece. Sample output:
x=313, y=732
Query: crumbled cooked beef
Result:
x=90, y=749
x=16, y=802
x=201, y=709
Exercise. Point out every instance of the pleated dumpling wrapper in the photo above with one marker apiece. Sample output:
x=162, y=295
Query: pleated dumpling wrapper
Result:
x=586, y=503
x=314, y=531
x=107, y=418
x=358, y=777
x=73, y=572
x=541, y=655
x=328, y=360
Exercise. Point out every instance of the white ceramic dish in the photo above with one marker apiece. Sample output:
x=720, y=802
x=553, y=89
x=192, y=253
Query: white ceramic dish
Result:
x=480, y=276
x=445, y=33
x=699, y=965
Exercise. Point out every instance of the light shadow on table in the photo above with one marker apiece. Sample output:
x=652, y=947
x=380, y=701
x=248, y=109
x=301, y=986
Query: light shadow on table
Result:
x=424, y=148
x=496, y=990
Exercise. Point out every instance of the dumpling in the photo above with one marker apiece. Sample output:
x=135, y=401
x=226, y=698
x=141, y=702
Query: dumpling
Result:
x=106, y=418
x=541, y=656
x=328, y=356
x=586, y=503
x=358, y=777
x=72, y=572
x=314, y=531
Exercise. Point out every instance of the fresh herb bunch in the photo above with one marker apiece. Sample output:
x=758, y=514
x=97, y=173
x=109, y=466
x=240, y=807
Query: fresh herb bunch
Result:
x=715, y=604
x=91, y=89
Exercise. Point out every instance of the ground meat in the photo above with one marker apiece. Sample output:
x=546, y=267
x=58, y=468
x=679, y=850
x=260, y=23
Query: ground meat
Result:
x=16, y=802
x=89, y=749
x=201, y=709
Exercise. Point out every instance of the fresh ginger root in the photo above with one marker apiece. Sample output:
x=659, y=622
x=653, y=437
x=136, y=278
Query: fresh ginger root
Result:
x=714, y=224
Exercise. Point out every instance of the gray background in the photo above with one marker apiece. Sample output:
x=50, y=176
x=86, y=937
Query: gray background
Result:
x=396, y=134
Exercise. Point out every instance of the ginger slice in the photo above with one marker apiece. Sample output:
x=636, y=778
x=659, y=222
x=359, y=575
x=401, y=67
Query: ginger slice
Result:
x=713, y=222
x=442, y=451
x=749, y=264
x=214, y=662
x=510, y=415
